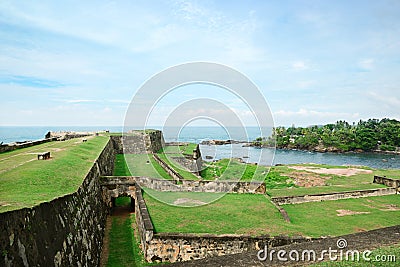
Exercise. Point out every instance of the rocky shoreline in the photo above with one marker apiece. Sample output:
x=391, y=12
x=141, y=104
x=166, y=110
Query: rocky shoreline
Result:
x=319, y=149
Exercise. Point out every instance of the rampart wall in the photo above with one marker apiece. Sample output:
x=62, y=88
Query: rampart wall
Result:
x=67, y=231
x=138, y=142
x=14, y=146
x=120, y=184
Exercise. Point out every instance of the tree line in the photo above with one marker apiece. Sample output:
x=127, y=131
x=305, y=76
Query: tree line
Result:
x=370, y=135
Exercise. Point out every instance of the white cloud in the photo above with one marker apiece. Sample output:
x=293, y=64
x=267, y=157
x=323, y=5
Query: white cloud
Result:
x=77, y=101
x=305, y=84
x=366, y=64
x=391, y=101
x=307, y=117
x=299, y=65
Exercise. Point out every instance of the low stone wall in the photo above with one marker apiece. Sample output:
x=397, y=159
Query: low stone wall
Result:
x=121, y=183
x=387, y=181
x=189, y=164
x=143, y=221
x=10, y=147
x=176, y=176
x=175, y=247
x=67, y=231
x=333, y=196
x=224, y=186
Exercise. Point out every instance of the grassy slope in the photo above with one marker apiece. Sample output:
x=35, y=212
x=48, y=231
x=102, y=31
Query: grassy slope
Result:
x=136, y=165
x=38, y=181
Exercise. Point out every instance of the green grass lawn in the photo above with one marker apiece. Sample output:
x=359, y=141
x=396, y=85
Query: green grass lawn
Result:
x=321, y=218
x=26, y=181
x=138, y=165
x=233, y=169
x=333, y=183
x=256, y=215
x=186, y=149
x=232, y=214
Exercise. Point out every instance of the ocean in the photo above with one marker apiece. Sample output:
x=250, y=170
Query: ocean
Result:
x=265, y=156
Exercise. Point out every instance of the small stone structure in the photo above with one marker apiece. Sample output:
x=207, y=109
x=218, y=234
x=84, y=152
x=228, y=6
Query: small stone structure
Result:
x=192, y=163
x=395, y=183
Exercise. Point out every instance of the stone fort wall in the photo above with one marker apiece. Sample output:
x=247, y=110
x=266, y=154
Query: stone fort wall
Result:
x=67, y=231
x=119, y=184
x=10, y=147
x=138, y=142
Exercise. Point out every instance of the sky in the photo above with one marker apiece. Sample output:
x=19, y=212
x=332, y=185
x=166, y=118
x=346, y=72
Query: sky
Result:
x=315, y=62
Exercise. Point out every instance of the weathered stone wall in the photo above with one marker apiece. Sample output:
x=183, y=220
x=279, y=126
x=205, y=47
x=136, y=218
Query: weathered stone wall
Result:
x=67, y=231
x=192, y=163
x=172, y=247
x=223, y=186
x=120, y=183
x=155, y=141
x=143, y=221
x=138, y=142
x=175, y=175
x=66, y=135
x=387, y=181
x=10, y=147
x=333, y=196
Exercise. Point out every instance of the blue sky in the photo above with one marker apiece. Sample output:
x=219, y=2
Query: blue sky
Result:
x=81, y=62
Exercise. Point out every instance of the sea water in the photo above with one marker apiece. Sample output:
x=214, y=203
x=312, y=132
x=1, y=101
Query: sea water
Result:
x=266, y=156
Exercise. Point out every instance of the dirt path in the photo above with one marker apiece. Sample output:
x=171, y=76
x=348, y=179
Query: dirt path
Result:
x=106, y=243
x=334, y=171
x=118, y=216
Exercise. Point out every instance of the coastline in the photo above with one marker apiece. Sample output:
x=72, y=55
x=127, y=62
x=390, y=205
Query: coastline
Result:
x=318, y=149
